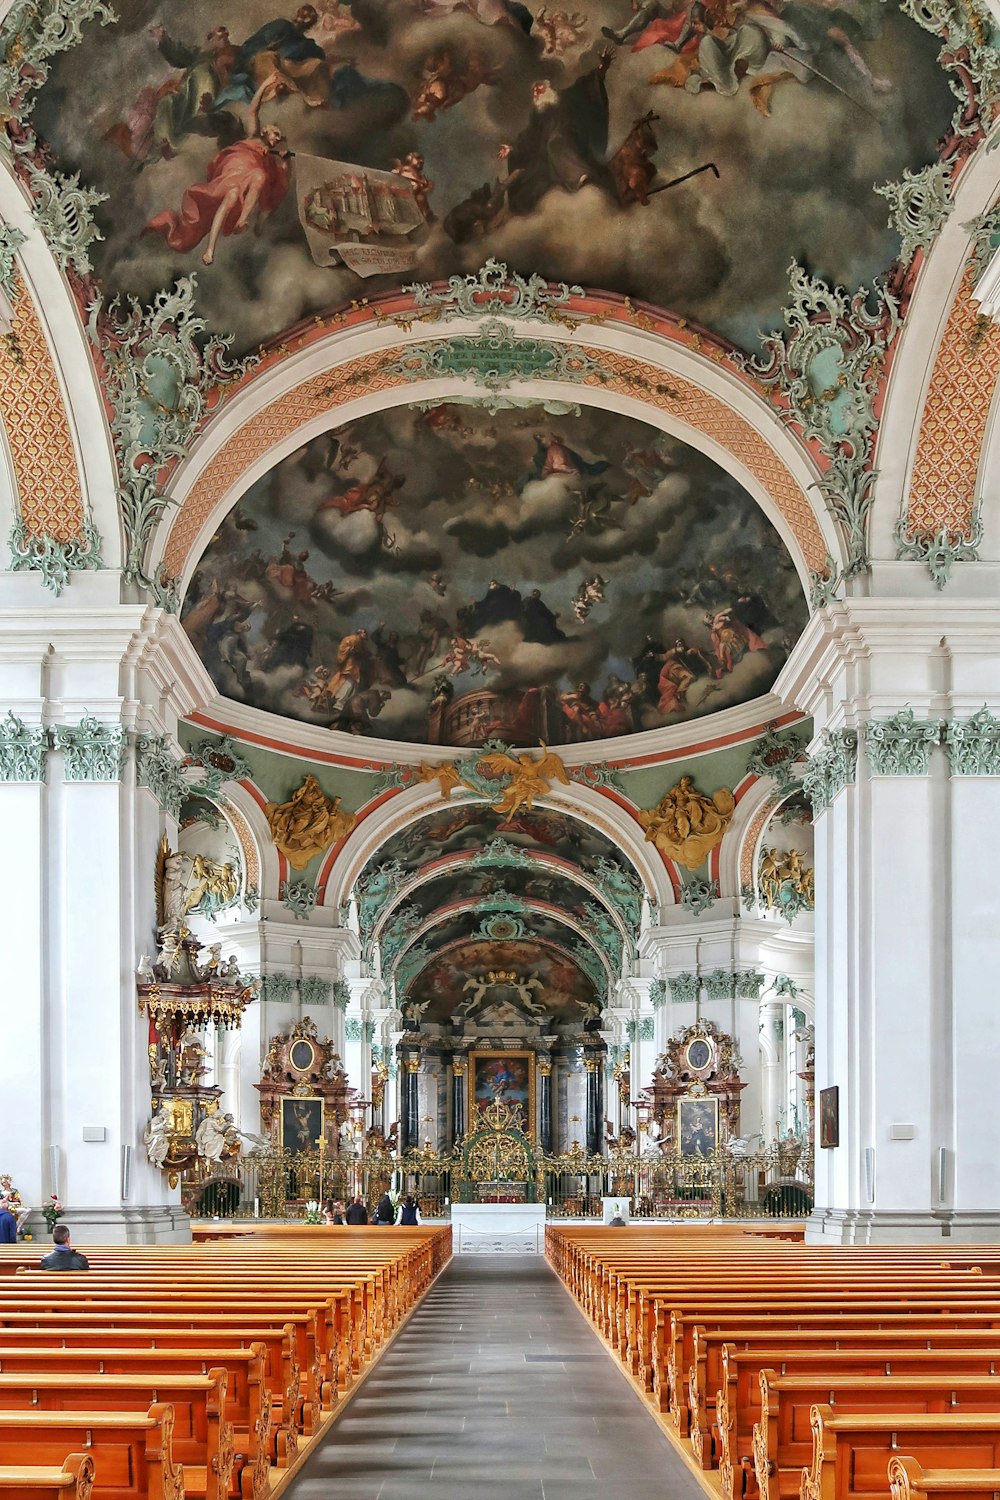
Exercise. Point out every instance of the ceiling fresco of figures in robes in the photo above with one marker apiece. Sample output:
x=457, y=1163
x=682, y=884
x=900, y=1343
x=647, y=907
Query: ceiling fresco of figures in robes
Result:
x=682, y=152
x=451, y=576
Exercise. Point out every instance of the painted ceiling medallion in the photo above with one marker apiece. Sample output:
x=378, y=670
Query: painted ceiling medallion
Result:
x=454, y=576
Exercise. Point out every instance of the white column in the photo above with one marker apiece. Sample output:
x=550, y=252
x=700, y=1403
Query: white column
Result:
x=907, y=930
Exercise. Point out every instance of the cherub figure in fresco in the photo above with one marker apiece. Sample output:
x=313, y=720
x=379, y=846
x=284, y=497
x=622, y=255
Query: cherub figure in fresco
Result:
x=160, y=118
x=248, y=179
x=447, y=82
x=559, y=31
x=465, y=655
x=589, y=591
x=412, y=168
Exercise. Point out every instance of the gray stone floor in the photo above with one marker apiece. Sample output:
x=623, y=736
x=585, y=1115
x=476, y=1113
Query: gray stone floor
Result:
x=496, y=1384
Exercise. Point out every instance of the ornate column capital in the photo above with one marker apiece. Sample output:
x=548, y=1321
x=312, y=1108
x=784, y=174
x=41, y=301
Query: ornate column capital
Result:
x=973, y=745
x=23, y=749
x=829, y=770
x=92, y=751
x=901, y=745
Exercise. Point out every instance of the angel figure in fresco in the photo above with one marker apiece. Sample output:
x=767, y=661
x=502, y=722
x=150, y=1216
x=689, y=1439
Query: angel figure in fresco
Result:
x=464, y=655
x=731, y=639
x=590, y=591
x=528, y=778
x=248, y=178
x=446, y=82
x=375, y=495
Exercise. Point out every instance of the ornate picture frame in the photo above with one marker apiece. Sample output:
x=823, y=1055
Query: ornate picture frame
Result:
x=302, y=1122
x=506, y=1075
x=697, y=1125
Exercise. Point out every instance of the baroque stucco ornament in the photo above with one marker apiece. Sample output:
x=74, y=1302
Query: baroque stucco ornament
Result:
x=23, y=749
x=92, y=751
x=828, y=364
x=832, y=768
x=900, y=745
x=686, y=825
x=307, y=823
x=973, y=745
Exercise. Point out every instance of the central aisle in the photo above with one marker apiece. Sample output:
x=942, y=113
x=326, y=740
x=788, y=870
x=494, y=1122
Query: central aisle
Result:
x=496, y=1382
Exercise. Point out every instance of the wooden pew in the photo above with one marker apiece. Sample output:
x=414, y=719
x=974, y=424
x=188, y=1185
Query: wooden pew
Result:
x=782, y=1436
x=909, y=1480
x=202, y=1435
x=850, y=1452
x=132, y=1450
x=738, y=1400
x=74, y=1481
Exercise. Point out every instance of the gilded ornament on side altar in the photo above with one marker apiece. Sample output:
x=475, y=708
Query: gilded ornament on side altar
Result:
x=307, y=823
x=687, y=825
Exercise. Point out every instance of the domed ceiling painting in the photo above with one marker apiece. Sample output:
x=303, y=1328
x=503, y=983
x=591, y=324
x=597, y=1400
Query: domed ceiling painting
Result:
x=677, y=151
x=451, y=576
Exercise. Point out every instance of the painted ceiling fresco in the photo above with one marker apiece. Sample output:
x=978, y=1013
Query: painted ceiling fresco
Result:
x=489, y=885
x=563, y=989
x=453, y=576
x=455, y=830
x=675, y=151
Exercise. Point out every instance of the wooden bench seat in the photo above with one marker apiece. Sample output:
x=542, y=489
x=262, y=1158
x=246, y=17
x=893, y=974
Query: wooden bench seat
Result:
x=202, y=1435
x=851, y=1451
x=738, y=1400
x=73, y=1481
x=782, y=1435
x=132, y=1450
x=908, y=1479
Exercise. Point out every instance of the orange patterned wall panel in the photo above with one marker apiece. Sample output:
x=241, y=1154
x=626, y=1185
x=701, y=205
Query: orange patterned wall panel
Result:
x=49, y=496
x=373, y=373
x=953, y=423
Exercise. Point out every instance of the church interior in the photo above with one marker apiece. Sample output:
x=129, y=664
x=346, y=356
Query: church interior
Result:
x=499, y=748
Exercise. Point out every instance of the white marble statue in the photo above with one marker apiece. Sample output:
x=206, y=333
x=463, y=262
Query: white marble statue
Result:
x=216, y=1136
x=156, y=1139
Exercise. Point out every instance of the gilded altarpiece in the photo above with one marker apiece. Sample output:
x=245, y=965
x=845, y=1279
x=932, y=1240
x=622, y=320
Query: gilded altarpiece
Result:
x=694, y=1097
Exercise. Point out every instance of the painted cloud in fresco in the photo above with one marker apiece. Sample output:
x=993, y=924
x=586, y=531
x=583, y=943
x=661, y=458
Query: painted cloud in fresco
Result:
x=449, y=576
x=395, y=116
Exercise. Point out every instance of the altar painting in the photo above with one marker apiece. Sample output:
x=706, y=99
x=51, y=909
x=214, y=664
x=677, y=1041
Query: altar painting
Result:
x=697, y=1126
x=505, y=1076
x=301, y=1124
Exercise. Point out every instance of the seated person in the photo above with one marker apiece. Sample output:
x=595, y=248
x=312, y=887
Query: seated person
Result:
x=62, y=1256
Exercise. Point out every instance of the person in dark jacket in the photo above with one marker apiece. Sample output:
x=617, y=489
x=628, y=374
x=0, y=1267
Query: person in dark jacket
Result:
x=356, y=1213
x=409, y=1211
x=385, y=1213
x=62, y=1256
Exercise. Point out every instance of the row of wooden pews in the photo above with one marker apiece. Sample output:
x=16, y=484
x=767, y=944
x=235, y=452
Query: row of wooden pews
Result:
x=804, y=1373
x=199, y=1370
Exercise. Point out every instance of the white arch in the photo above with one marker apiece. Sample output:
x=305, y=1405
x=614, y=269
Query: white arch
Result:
x=566, y=868
x=938, y=284
x=340, y=347
x=576, y=801
x=71, y=357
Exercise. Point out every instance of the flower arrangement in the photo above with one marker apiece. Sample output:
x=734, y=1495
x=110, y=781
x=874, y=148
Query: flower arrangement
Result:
x=51, y=1211
x=313, y=1214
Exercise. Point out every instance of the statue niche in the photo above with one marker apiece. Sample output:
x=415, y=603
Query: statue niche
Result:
x=694, y=1097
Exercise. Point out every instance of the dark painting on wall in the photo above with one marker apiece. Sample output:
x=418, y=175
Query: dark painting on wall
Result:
x=829, y=1117
x=301, y=1124
x=455, y=575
